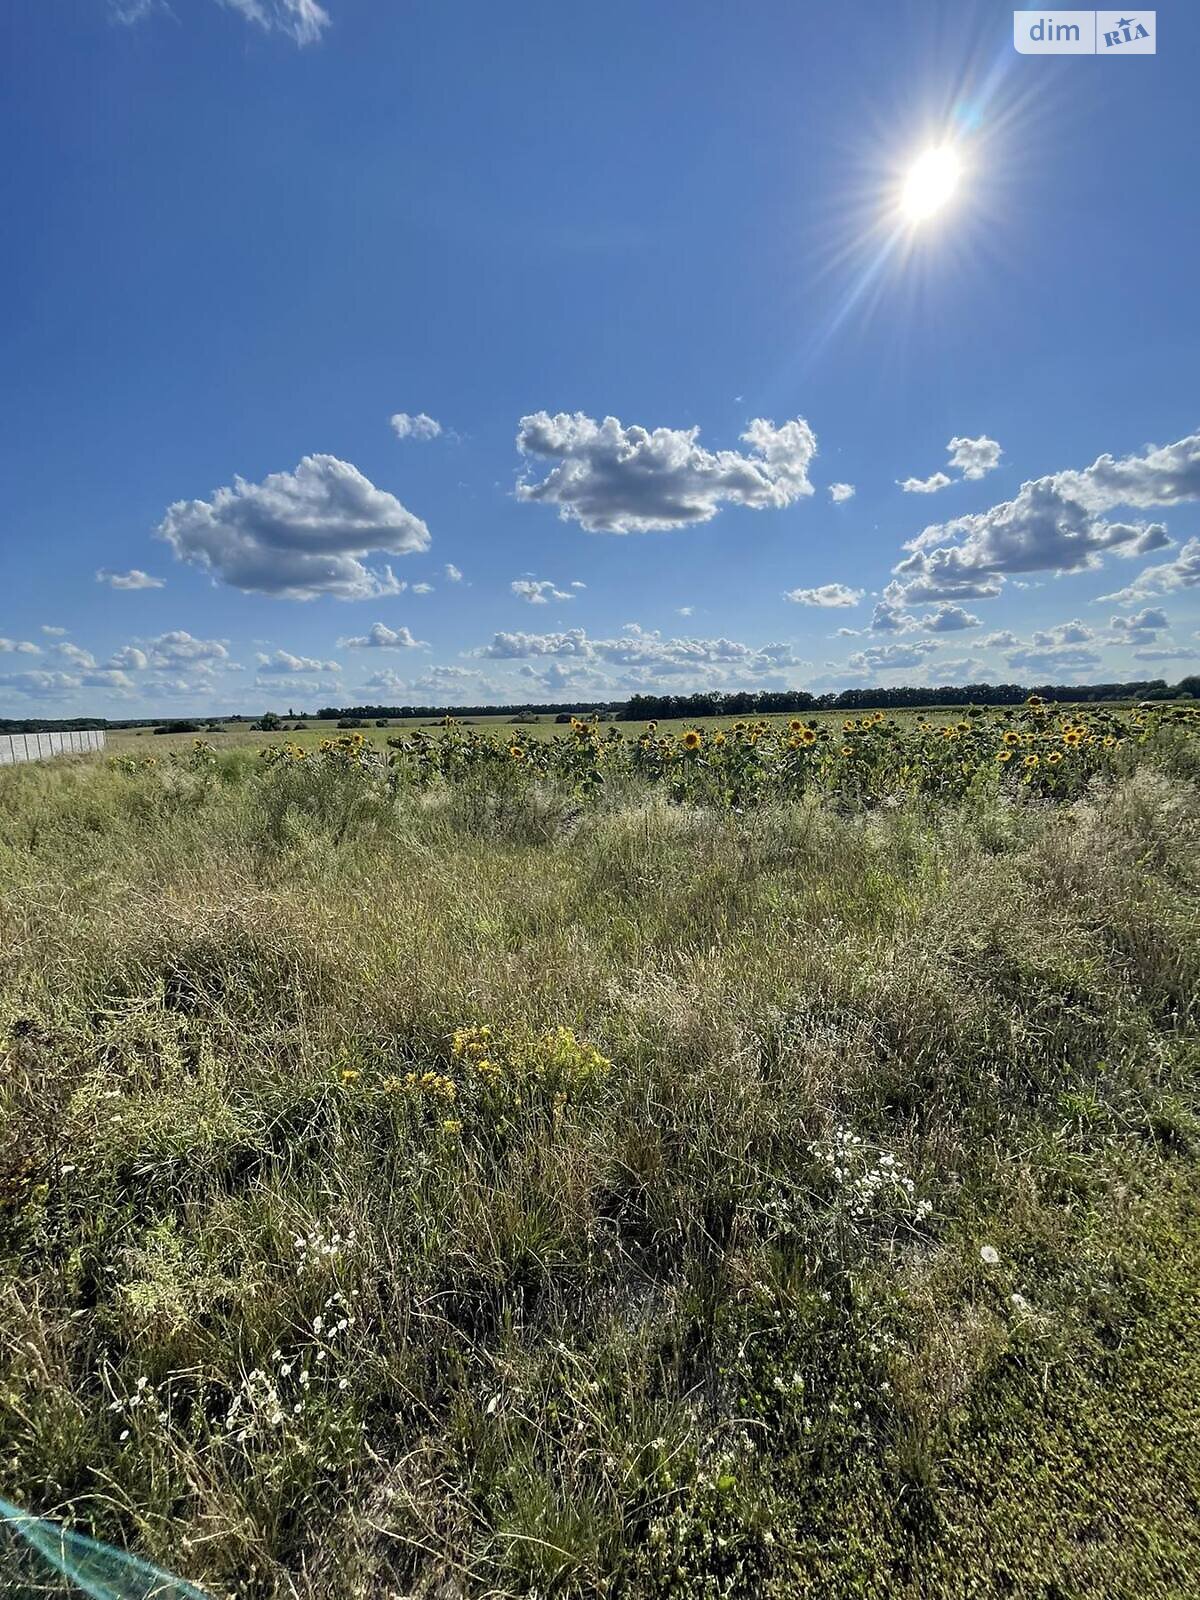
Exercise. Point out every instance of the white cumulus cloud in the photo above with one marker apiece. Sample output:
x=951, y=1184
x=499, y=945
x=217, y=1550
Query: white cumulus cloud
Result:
x=297, y=534
x=970, y=458
x=172, y=651
x=1164, y=577
x=1053, y=524
x=380, y=637
x=948, y=619
x=74, y=655
x=610, y=478
x=930, y=485
x=890, y=657
x=40, y=685
x=408, y=425
x=827, y=594
x=639, y=649
x=135, y=578
x=1140, y=627
x=282, y=663
x=974, y=458
x=538, y=592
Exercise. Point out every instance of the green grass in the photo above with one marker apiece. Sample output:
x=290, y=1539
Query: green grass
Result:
x=644, y=1326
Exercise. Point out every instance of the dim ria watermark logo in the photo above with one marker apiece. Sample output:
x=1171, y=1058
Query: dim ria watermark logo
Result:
x=1084, y=33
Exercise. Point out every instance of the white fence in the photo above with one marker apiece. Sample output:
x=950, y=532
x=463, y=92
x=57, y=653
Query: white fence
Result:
x=40, y=746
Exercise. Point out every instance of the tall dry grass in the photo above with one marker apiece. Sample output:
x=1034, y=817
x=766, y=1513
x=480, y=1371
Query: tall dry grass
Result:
x=710, y=1319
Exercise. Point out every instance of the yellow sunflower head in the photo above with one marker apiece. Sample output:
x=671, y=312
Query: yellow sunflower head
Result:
x=691, y=739
x=1033, y=761
x=808, y=736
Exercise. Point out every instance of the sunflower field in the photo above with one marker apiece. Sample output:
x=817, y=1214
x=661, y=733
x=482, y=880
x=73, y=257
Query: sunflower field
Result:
x=1046, y=752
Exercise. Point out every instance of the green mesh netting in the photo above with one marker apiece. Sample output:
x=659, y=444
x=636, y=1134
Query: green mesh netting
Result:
x=42, y=1560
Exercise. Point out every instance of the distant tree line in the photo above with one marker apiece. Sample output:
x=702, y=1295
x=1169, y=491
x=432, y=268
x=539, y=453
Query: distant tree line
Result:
x=647, y=707
x=51, y=725
x=747, y=703
x=652, y=707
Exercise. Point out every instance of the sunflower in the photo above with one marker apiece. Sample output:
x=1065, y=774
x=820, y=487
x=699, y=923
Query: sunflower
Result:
x=1054, y=758
x=1072, y=738
x=795, y=725
x=1012, y=738
x=516, y=753
x=1109, y=741
x=848, y=725
x=718, y=738
x=1032, y=761
x=1004, y=755
x=846, y=750
x=1035, y=702
x=807, y=736
x=691, y=740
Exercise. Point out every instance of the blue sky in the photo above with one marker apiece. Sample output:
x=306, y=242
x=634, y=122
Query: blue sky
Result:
x=634, y=282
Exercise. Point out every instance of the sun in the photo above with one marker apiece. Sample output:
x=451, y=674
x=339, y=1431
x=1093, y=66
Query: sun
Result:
x=930, y=182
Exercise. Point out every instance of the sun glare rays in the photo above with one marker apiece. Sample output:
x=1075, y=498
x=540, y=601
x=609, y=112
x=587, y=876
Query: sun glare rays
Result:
x=926, y=183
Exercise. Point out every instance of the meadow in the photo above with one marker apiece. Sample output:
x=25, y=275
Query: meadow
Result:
x=755, y=1159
